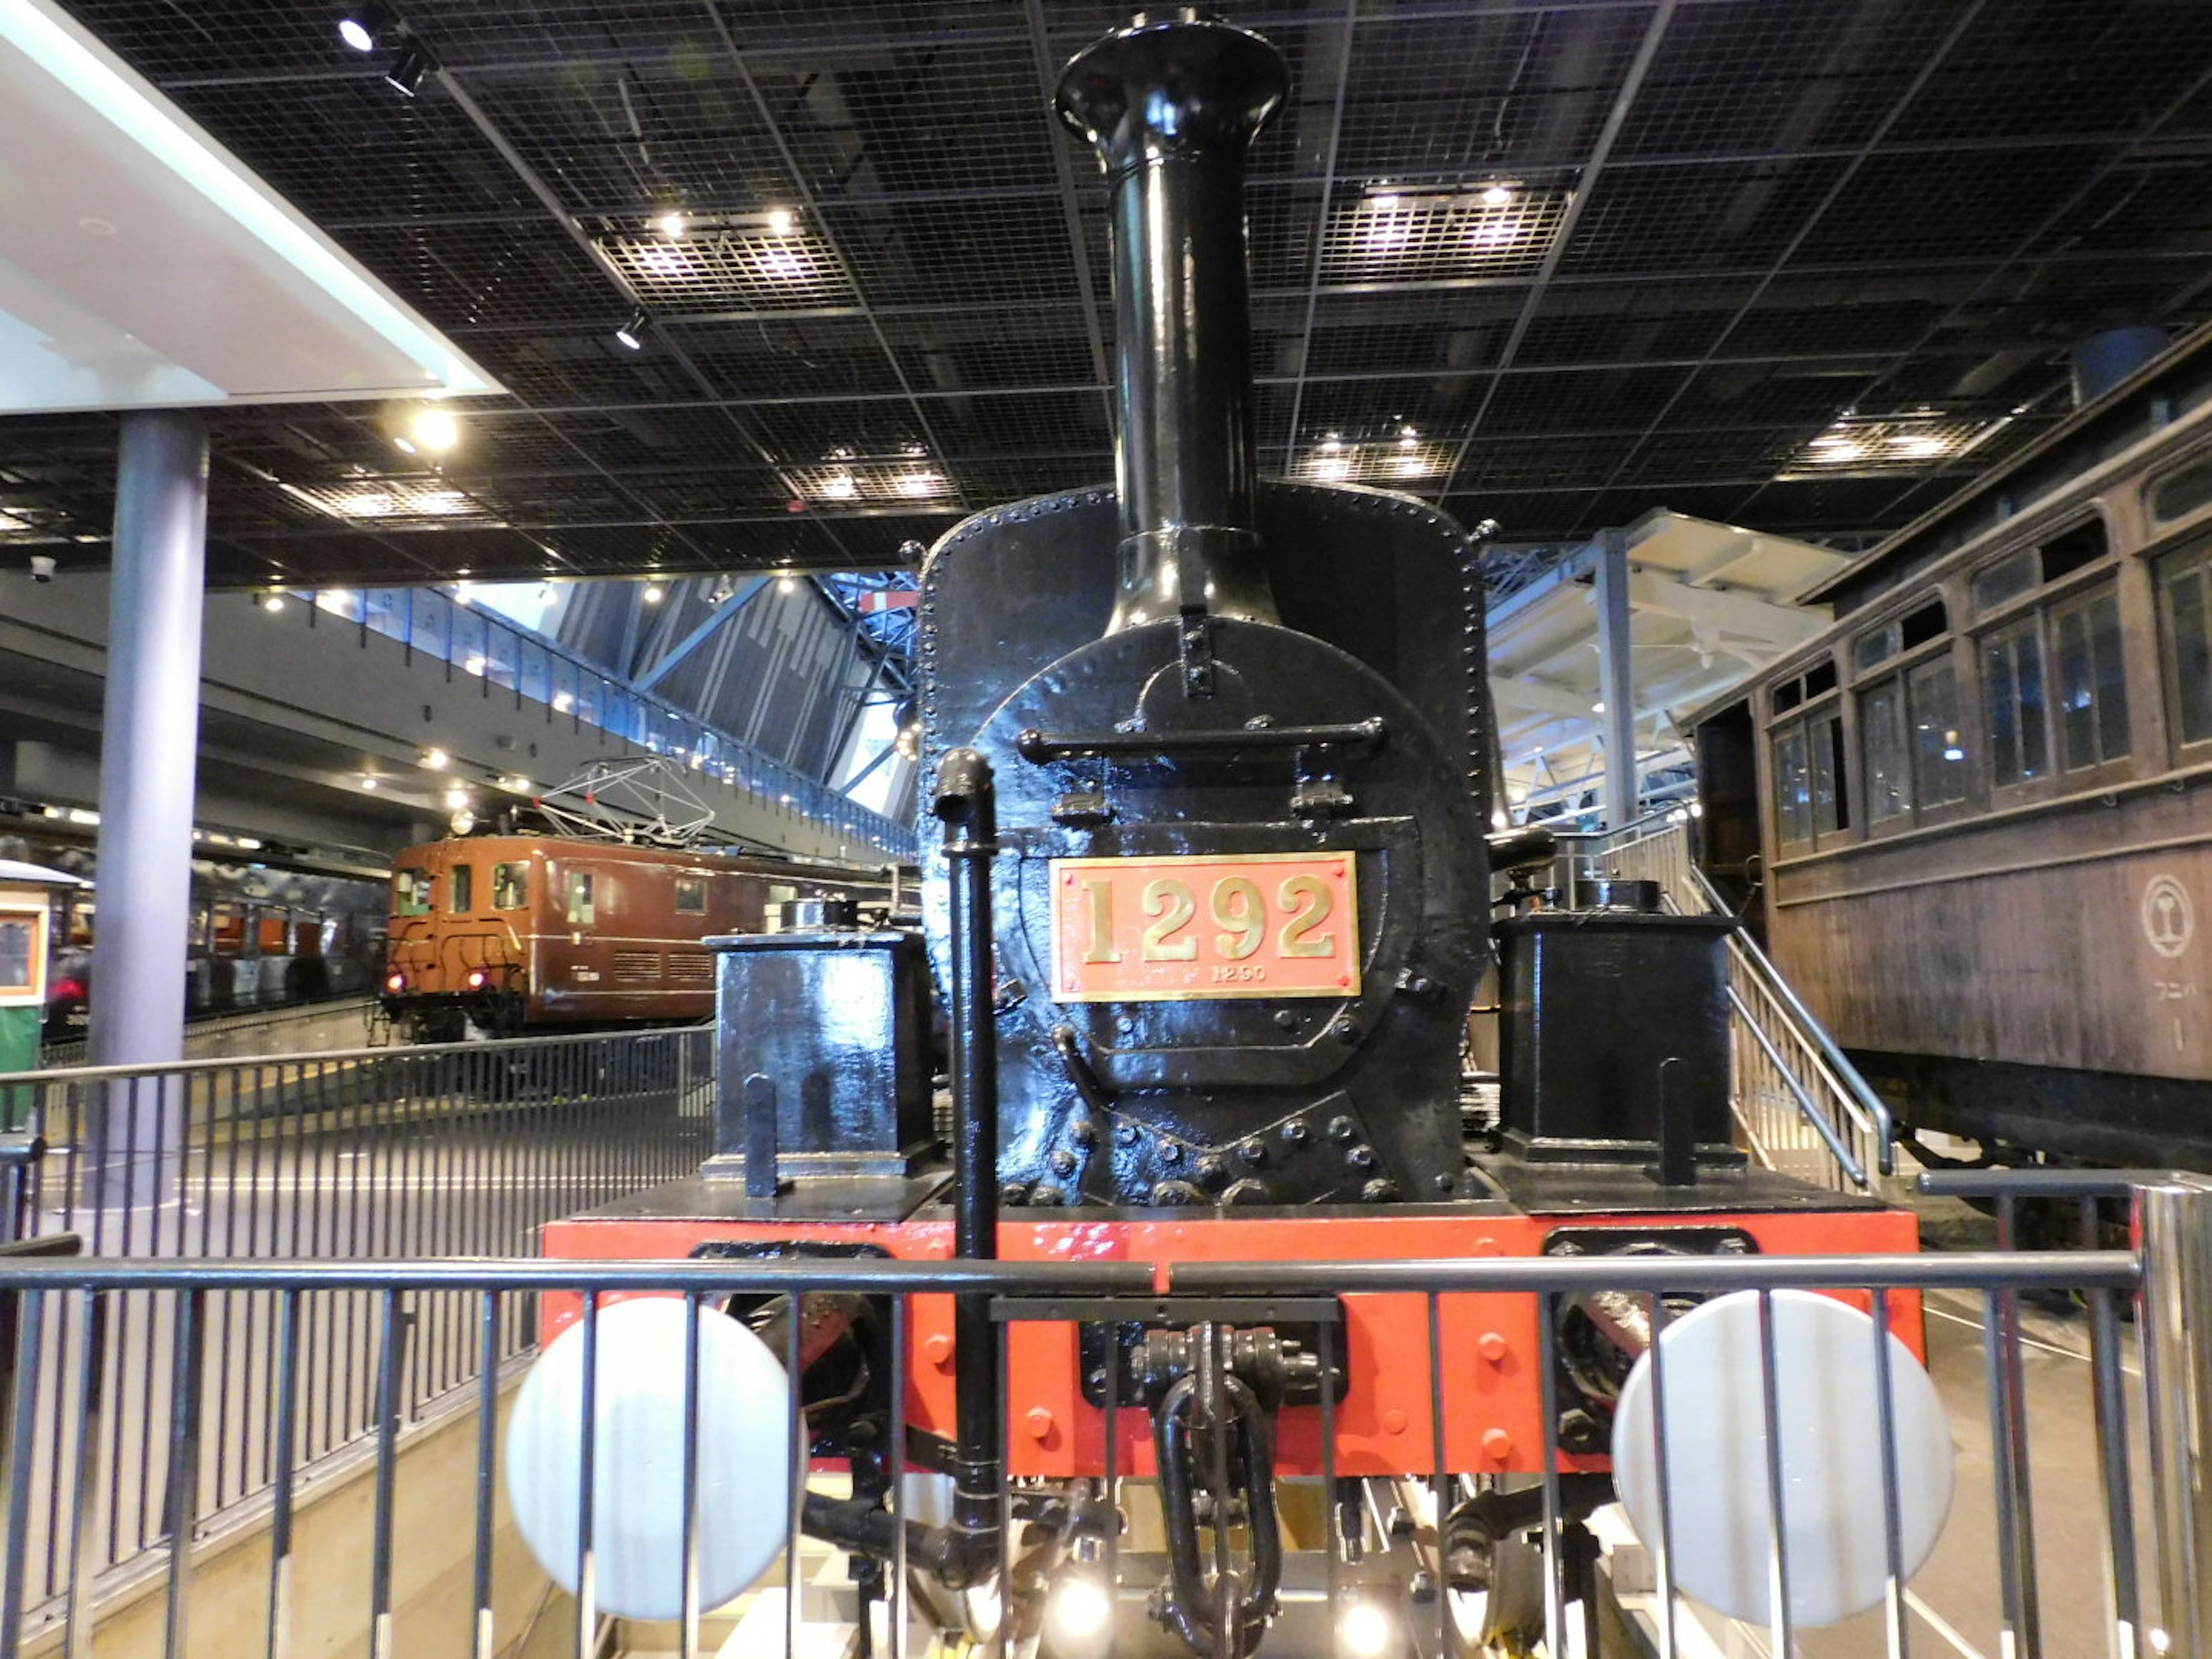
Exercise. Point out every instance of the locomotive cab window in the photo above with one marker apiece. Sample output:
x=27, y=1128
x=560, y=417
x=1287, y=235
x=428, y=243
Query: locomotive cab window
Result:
x=692, y=896
x=412, y=891
x=510, y=886
x=581, y=906
x=463, y=889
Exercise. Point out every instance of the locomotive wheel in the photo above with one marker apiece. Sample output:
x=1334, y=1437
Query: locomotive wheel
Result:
x=1513, y=1622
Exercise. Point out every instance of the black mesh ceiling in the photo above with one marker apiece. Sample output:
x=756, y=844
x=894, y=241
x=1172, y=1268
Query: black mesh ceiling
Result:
x=1803, y=264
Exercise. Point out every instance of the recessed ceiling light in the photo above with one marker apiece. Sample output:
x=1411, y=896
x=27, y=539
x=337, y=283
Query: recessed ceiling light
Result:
x=652, y=593
x=782, y=220
x=786, y=583
x=1497, y=196
x=840, y=487
x=371, y=784
x=669, y=224
x=918, y=483
x=434, y=430
x=435, y=760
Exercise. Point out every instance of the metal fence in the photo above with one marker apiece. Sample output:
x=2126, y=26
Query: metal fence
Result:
x=1380, y=1550
x=462, y=1150
x=301, y=1028
x=1801, y=1105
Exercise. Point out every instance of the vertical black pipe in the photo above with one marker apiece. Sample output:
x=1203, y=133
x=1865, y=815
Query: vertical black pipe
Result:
x=1172, y=106
x=966, y=802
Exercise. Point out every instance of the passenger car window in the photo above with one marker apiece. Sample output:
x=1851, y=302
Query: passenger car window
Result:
x=1792, y=791
x=412, y=891
x=2180, y=494
x=581, y=907
x=1938, y=748
x=1881, y=732
x=2012, y=687
x=692, y=896
x=463, y=895
x=2186, y=593
x=510, y=886
x=2093, y=689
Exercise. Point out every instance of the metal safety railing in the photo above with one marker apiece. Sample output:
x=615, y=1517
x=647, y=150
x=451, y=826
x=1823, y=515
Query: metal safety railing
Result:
x=1394, y=1544
x=1801, y=1105
x=459, y=1150
x=257, y=1034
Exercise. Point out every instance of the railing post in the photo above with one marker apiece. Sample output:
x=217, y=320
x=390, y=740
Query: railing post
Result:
x=2173, y=1221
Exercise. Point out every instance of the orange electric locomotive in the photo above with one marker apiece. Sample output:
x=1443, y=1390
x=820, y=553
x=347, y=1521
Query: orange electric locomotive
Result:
x=515, y=935
x=1212, y=755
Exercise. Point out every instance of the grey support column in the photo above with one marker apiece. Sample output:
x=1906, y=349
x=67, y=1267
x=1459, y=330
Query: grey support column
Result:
x=1616, y=680
x=149, y=750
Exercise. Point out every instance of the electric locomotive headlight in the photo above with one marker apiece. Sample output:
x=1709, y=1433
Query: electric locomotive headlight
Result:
x=479, y=979
x=395, y=983
x=637, y=1412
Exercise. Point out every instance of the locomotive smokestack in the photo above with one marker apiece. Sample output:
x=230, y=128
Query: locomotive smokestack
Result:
x=1172, y=106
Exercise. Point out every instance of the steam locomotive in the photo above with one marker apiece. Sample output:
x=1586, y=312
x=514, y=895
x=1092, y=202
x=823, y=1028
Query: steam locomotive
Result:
x=1213, y=765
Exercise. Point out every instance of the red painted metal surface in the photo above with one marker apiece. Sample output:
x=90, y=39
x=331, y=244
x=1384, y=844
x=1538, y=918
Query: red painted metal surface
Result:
x=1492, y=1389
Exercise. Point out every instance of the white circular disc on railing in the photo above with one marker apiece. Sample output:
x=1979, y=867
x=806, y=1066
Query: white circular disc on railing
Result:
x=637, y=1473
x=1721, y=1516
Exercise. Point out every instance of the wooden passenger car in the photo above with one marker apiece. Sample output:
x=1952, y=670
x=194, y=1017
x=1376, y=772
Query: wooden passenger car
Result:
x=1974, y=817
x=510, y=935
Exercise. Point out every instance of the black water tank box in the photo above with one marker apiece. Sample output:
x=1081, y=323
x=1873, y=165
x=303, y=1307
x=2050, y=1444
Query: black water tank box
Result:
x=1595, y=1002
x=837, y=1020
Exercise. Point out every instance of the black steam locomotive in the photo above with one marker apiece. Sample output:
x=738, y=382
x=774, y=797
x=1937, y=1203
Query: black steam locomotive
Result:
x=1214, y=762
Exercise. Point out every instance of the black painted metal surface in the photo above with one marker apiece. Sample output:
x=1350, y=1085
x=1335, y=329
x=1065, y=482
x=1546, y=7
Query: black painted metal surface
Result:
x=836, y=1020
x=1118, y=663
x=1612, y=1019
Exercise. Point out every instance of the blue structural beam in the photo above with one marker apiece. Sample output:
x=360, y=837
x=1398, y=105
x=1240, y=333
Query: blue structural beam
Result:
x=699, y=635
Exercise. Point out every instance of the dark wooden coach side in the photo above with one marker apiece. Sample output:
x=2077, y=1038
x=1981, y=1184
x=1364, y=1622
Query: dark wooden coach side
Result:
x=1974, y=817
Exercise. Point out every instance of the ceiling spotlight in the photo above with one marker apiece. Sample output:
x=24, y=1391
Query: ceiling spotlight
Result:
x=457, y=797
x=669, y=224
x=782, y=220
x=404, y=445
x=272, y=600
x=840, y=487
x=1497, y=196
x=370, y=783
x=434, y=430
x=409, y=69
x=652, y=593
x=632, y=333
x=436, y=760
x=786, y=583
x=358, y=33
